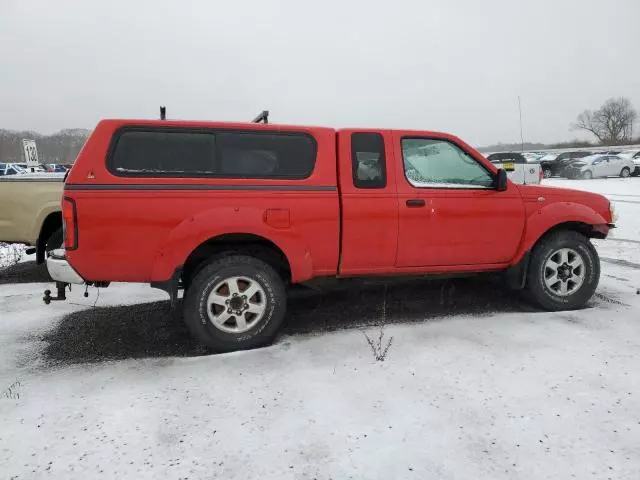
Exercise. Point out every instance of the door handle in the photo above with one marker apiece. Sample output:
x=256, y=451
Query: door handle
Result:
x=415, y=203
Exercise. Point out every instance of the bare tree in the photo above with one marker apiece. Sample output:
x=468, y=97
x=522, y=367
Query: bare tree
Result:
x=612, y=123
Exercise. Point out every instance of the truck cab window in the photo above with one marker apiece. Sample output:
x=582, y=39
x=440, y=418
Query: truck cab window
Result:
x=431, y=163
x=368, y=160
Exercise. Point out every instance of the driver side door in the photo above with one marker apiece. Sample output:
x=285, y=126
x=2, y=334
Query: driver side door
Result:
x=450, y=213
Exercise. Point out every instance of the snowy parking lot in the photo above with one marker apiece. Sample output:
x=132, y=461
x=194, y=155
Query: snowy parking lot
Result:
x=476, y=383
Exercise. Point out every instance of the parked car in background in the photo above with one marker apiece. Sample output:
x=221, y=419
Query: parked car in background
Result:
x=634, y=155
x=31, y=169
x=517, y=166
x=532, y=157
x=546, y=163
x=565, y=159
x=55, y=167
x=10, y=169
x=30, y=210
x=600, y=166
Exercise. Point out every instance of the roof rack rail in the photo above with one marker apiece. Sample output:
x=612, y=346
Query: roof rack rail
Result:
x=262, y=117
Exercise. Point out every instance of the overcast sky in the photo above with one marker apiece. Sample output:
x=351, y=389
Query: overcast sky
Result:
x=456, y=65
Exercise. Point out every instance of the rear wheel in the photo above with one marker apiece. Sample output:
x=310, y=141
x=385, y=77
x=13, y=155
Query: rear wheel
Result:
x=236, y=302
x=625, y=172
x=564, y=271
x=546, y=172
x=587, y=175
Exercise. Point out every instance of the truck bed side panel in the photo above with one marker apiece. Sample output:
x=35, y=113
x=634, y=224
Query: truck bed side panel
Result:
x=141, y=229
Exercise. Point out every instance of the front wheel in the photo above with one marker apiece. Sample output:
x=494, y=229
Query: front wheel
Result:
x=587, y=175
x=564, y=271
x=236, y=302
x=625, y=172
x=546, y=172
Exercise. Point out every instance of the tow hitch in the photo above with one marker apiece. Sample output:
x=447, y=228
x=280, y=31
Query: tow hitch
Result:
x=61, y=287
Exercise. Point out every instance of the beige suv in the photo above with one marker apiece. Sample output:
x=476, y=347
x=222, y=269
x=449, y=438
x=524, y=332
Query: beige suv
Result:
x=30, y=211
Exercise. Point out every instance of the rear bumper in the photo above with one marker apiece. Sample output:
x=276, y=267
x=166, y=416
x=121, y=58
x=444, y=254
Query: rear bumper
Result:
x=60, y=270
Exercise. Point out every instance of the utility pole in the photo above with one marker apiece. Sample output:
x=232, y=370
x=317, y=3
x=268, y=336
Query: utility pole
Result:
x=521, y=136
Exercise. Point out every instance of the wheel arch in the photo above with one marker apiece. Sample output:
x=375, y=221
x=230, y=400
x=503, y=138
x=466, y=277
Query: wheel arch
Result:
x=231, y=228
x=517, y=272
x=230, y=243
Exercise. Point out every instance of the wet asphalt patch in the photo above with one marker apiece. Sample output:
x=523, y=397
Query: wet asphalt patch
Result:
x=25, y=272
x=152, y=330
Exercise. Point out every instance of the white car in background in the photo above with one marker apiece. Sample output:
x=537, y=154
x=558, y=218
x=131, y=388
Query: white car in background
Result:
x=634, y=155
x=600, y=166
x=10, y=169
x=32, y=168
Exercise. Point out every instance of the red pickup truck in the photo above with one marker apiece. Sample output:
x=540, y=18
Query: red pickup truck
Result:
x=234, y=213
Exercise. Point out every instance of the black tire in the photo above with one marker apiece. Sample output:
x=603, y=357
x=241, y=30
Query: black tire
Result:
x=54, y=241
x=625, y=172
x=536, y=287
x=587, y=175
x=196, y=308
x=546, y=173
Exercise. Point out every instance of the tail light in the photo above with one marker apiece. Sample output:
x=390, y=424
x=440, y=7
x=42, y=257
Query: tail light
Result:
x=70, y=223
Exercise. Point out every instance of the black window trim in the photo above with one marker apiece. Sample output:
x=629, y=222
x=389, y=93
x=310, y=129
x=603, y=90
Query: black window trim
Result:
x=212, y=131
x=418, y=137
x=354, y=165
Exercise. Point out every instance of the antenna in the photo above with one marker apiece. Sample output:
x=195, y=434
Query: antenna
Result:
x=521, y=136
x=163, y=112
x=262, y=117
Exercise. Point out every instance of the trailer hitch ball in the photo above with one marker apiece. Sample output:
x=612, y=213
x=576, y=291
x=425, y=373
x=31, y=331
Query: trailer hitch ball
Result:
x=60, y=287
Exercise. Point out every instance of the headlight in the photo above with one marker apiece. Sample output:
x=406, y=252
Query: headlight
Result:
x=613, y=213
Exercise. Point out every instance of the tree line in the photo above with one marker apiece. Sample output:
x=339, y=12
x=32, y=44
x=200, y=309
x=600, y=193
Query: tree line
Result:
x=60, y=147
x=611, y=124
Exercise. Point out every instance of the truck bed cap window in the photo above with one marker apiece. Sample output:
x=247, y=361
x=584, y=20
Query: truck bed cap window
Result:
x=179, y=152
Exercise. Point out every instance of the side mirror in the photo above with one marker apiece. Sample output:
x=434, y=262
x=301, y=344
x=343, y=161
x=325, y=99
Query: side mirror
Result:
x=501, y=180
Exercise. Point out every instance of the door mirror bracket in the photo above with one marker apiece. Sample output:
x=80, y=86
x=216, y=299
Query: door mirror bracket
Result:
x=501, y=180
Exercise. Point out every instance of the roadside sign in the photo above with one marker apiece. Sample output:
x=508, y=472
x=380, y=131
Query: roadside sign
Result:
x=30, y=152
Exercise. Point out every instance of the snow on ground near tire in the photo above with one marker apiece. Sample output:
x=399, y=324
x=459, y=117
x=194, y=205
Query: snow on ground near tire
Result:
x=476, y=385
x=623, y=242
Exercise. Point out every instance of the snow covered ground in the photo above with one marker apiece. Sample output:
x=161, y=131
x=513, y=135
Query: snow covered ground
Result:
x=623, y=242
x=476, y=384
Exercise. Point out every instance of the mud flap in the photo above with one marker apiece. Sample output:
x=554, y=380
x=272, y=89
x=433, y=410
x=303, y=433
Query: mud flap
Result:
x=170, y=286
x=516, y=275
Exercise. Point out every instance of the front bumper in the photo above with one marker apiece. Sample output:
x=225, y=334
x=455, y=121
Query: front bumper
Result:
x=572, y=173
x=60, y=270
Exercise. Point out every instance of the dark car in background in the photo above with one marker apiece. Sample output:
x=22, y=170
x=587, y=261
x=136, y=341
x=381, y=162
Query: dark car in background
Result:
x=562, y=161
x=546, y=164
